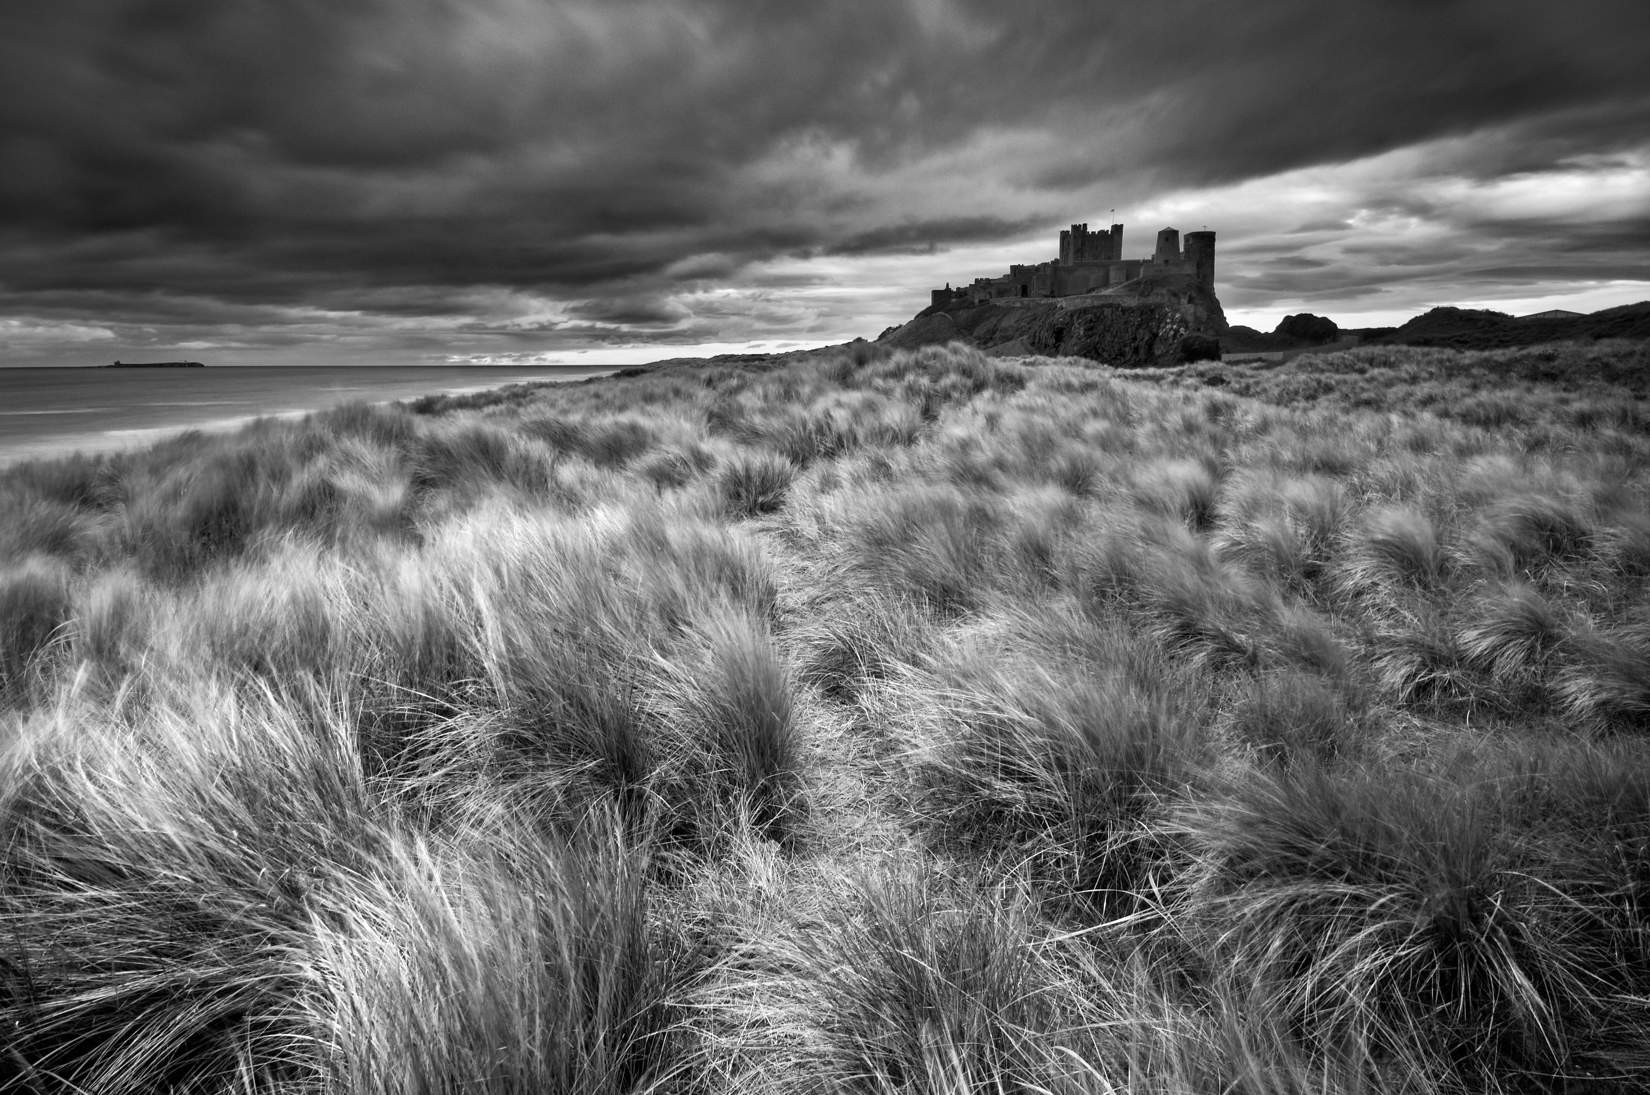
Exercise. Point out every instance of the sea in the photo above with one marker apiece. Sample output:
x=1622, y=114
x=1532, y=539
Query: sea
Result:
x=51, y=412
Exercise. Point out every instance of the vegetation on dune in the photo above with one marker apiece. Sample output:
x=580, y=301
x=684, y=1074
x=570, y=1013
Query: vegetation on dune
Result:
x=911, y=721
x=1546, y=392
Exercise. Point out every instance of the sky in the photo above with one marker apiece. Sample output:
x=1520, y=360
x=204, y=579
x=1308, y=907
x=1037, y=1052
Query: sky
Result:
x=529, y=181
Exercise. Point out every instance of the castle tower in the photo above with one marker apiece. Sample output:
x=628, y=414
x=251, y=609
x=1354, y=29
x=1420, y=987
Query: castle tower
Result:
x=1116, y=243
x=1200, y=256
x=1074, y=244
x=1168, y=246
x=1099, y=246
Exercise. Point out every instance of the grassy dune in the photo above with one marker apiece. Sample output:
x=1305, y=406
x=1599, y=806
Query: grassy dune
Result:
x=910, y=723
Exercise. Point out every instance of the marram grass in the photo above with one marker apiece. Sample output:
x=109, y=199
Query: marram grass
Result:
x=911, y=722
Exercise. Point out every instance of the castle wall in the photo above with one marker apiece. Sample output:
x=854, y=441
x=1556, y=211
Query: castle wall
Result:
x=1090, y=262
x=1092, y=277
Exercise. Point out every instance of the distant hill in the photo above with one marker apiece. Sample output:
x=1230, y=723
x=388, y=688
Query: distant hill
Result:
x=1641, y=308
x=1480, y=329
x=1296, y=332
x=1453, y=328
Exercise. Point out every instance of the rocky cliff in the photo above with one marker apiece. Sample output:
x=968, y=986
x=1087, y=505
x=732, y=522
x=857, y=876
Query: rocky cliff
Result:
x=1151, y=321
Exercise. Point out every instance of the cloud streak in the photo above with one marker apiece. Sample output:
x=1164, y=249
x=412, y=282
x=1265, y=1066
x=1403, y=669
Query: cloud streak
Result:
x=398, y=178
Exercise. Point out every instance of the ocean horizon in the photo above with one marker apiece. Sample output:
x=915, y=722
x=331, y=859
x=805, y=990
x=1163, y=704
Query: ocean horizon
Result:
x=55, y=411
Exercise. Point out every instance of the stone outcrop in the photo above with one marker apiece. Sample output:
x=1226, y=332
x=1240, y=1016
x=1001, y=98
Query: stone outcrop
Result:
x=1308, y=328
x=1156, y=320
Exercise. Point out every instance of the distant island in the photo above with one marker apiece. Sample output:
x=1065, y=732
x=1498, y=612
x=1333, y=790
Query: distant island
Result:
x=155, y=365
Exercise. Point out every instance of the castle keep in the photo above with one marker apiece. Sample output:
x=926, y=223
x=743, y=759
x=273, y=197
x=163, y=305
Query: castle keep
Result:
x=1090, y=262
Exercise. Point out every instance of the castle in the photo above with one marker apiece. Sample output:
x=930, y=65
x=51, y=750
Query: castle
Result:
x=1090, y=262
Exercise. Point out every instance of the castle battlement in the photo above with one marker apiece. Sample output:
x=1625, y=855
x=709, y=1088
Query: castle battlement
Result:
x=1089, y=262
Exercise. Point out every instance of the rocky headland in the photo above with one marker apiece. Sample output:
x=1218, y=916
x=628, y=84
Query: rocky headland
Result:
x=1158, y=319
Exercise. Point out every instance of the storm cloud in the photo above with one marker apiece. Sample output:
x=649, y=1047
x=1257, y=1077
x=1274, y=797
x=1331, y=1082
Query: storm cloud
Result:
x=395, y=179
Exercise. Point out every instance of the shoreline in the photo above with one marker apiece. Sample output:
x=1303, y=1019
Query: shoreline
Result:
x=115, y=440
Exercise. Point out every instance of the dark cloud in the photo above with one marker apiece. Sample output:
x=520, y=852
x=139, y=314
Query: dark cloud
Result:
x=1329, y=225
x=642, y=311
x=413, y=170
x=926, y=236
x=1296, y=262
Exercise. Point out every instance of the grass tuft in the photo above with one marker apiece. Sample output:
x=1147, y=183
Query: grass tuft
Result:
x=1514, y=634
x=1399, y=547
x=732, y=735
x=1065, y=771
x=1528, y=532
x=756, y=484
x=915, y=986
x=1384, y=910
x=35, y=605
